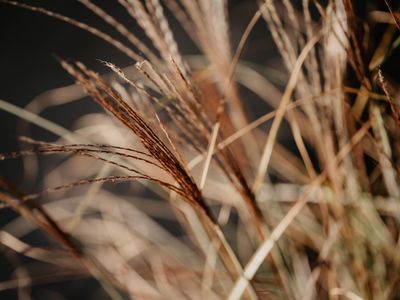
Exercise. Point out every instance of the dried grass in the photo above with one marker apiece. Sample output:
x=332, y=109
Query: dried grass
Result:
x=258, y=220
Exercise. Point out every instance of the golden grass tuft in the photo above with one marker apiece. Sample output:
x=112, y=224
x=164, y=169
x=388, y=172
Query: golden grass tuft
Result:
x=259, y=219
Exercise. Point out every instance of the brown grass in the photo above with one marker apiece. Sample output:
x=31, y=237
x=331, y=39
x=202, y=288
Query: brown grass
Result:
x=260, y=221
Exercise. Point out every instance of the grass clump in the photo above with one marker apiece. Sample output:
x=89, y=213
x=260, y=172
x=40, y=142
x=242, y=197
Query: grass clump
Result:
x=249, y=215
